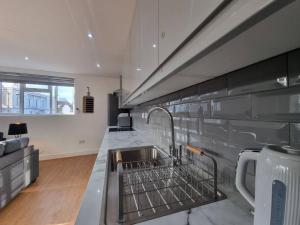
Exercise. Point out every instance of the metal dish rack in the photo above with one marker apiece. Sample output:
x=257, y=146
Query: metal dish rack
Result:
x=157, y=187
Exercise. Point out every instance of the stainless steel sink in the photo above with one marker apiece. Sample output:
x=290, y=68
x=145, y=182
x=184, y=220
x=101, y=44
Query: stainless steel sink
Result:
x=145, y=183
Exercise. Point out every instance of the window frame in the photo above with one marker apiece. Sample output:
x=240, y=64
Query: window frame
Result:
x=24, y=89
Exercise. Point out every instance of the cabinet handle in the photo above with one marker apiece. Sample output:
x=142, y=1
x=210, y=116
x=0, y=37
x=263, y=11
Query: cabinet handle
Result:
x=163, y=34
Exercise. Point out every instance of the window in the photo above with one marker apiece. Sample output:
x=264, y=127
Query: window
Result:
x=52, y=95
x=36, y=103
x=37, y=86
x=10, y=97
x=63, y=100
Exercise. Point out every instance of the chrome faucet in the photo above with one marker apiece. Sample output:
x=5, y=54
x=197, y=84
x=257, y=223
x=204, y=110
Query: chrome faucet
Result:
x=171, y=123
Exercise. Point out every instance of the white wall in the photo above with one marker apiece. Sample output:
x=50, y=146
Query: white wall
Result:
x=59, y=136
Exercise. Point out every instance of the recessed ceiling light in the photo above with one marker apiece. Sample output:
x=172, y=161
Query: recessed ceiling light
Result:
x=138, y=69
x=90, y=35
x=98, y=65
x=26, y=58
x=154, y=45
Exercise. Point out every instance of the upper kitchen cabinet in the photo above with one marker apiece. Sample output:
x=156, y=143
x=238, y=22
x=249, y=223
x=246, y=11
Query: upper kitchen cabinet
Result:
x=141, y=58
x=178, y=19
x=202, y=39
x=126, y=83
x=148, y=37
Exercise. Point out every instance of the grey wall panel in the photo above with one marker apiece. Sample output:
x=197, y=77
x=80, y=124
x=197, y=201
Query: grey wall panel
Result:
x=200, y=140
x=266, y=75
x=226, y=174
x=294, y=67
x=216, y=128
x=214, y=88
x=279, y=105
x=181, y=110
x=190, y=125
x=256, y=134
x=180, y=138
x=225, y=151
x=295, y=135
x=237, y=107
x=200, y=109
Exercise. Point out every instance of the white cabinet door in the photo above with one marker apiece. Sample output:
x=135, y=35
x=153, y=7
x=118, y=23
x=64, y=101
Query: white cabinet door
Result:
x=148, y=31
x=143, y=45
x=126, y=73
x=178, y=19
x=131, y=59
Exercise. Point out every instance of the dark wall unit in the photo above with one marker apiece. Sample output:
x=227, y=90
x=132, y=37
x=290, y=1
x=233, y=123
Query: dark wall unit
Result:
x=114, y=110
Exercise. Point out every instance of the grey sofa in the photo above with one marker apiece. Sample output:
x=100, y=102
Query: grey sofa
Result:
x=19, y=167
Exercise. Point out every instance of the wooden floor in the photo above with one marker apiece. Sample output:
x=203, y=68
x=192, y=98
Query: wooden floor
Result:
x=55, y=198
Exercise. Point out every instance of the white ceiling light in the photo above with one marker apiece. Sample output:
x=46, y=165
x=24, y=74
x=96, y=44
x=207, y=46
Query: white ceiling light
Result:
x=26, y=58
x=138, y=69
x=98, y=65
x=154, y=45
x=90, y=35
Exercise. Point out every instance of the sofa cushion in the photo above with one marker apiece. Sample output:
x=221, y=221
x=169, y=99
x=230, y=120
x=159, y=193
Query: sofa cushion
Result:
x=15, y=144
x=2, y=148
x=24, y=141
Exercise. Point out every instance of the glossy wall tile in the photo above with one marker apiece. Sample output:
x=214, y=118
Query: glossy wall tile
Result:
x=236, y=107
x=266, y=75
x=248, y=108
x=190, y=125
x=214, y=88
x=181, y=110
x=295, y=135
x=200, y=109
x=216, y=128
x=294, y=67
x=279, y=105
x=256, y=134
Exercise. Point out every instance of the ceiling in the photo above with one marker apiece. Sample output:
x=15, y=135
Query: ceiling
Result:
x=53, y=34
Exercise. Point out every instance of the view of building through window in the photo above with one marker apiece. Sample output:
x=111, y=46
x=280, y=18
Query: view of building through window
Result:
x=63, y=100
x=36, y=99
x=10, y=98
x=36, y=103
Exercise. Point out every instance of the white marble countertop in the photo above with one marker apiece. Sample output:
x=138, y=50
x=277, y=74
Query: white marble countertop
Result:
x=231, y=211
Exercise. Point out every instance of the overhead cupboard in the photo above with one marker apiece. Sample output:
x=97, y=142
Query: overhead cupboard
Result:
x=171, y=40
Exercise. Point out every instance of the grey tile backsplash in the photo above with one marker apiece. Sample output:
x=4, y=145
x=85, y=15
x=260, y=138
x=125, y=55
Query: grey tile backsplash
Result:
x=279, y=105
x=247, y=108
x=295, y=135
x=200, y=109
x=266, y=75
x=216, y=128
x=294, y=67
x=256, y=134
x=236, y=107
x=213, y=88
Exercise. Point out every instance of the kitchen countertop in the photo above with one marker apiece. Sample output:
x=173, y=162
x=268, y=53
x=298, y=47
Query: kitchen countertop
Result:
x=231, y=211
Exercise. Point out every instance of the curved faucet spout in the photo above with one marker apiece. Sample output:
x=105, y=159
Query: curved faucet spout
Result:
x=171, y=122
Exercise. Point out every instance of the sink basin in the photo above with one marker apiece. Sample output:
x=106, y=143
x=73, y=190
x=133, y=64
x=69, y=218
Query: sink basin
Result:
x=145, y=183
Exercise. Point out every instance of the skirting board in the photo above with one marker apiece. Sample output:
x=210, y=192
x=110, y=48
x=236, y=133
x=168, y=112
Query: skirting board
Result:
x=66, y=155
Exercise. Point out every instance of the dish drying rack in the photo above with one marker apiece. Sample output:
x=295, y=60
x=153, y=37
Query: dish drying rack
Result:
x=163, y=185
